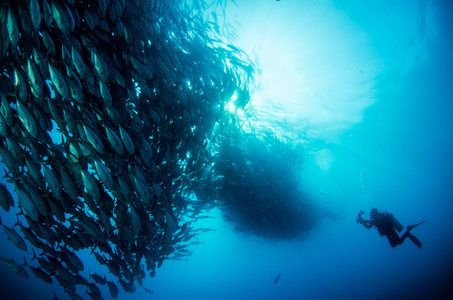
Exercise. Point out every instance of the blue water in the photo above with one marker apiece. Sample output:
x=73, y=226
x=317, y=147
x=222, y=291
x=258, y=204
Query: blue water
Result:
x=368, y=83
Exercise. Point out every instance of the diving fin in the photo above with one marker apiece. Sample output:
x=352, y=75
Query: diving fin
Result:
x=415, y=240
x=410, y=227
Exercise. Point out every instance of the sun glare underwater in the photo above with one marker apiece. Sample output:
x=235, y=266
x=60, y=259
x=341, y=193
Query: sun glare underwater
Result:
x=223, y=149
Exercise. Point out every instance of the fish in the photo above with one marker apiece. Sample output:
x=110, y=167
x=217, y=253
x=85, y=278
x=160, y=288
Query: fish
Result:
x=78, y=63
x=47, y=13
x=32, y=238
x=21, y=85
x=49, y=44
x=13, y=266
x=41, y=274
x=38, y=201
x=67, y=184
x=27, y=205
x=52, y=181
x=124, y=190
x=14, y=237
x=94, y=139
x=105, y=93
x=127, y=141
x=114, y=140
x=3, y=127
x=113, y=289
x=27, y=118
x=135, y=220
x=104, y=174
x=91, y=185
x=59, y=82
x=74, y=295
x=60, y=17
x=6, y=200
x=105, y=118
x=72, y=260
x=35, y=14
x=37, y=83
x=99, y=65
x=99, y=279
x=142, y=189
x=76, y=88
x=277, y=278
x=5, y=110
x=13, y=28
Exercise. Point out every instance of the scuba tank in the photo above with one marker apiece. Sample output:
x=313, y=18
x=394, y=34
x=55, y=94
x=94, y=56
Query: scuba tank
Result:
x=393, y=221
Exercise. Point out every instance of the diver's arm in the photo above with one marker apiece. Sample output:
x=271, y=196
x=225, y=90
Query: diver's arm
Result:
x=367, y=224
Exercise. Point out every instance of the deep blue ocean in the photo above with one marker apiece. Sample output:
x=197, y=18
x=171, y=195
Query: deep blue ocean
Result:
x=369, y=85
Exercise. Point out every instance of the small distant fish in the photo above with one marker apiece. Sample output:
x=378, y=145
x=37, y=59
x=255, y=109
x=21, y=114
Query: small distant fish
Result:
x=277, y=278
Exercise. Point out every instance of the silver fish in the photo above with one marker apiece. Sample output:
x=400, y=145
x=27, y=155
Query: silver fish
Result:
x=36, y=81
x=105, y=93
x=13, y=28
x=26, y=118
x=104, y=174
x=38, y=201
x=94, y=139
x=99, y=65
x=21, y=85
x=15, y=238
x=13, y=266
x=48, y=43
x=27, y=205
x=35, y=14
x=59, y=82
x=68, y=186
x=41, y=274
x=5, y=110
x=135, y=220
x=91, y=185
x=52, y=181
x=47, y=13
x=6, y=200
x=127, y=141
x=60, y=18
x=114, y=140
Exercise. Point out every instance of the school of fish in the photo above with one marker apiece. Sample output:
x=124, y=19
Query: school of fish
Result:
x=256, y=179
x=106, y=111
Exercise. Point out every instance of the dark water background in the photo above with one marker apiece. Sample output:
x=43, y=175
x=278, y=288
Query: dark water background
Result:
x=370, y=86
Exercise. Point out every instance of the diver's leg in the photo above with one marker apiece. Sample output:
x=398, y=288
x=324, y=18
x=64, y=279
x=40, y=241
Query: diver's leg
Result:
x=393, y=243
x=409, y=235
x=394, y=239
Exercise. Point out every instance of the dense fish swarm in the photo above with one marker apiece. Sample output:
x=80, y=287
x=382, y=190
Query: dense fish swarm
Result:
x=256, y=178
x=134, y=90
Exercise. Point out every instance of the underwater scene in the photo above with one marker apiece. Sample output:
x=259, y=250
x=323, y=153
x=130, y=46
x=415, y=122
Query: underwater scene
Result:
x=226, y=149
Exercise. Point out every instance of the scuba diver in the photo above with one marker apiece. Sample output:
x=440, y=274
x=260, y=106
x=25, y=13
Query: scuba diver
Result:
x=386, y=224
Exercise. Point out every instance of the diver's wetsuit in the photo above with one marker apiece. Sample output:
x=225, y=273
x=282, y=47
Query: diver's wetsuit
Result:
x=385, y=227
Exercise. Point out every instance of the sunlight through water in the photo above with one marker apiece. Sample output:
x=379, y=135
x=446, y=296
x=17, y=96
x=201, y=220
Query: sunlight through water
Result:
x=321, y=63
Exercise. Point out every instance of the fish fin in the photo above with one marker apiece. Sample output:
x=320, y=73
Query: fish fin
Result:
x=54, y=296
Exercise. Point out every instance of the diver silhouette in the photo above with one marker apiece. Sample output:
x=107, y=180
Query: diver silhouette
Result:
x=386, y=224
